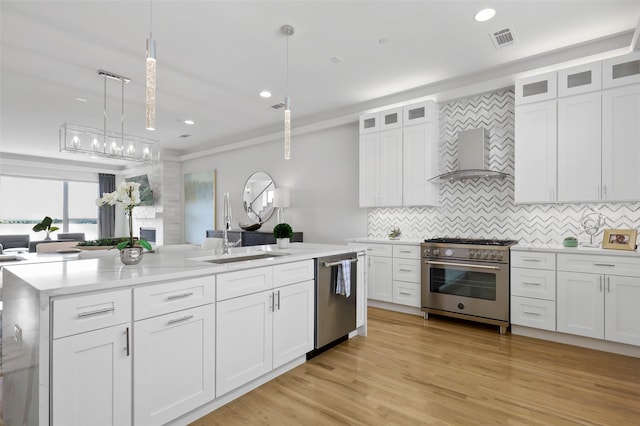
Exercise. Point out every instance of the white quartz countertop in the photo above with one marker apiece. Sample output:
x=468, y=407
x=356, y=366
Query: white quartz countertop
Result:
x=366, y=240
x=559, y=248
x=69, y=277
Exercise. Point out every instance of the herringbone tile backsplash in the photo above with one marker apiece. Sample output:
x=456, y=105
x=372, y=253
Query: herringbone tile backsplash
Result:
x=484, y=208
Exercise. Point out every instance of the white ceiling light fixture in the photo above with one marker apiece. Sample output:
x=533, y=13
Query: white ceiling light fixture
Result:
x=484, y=15
x=265, y=94
x=151, y=75
x=189, y=122
x=102, y=143
x=287, y=31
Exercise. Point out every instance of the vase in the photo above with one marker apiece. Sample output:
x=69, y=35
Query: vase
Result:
x=282, y=242
x=48, y=237
x=131, y=255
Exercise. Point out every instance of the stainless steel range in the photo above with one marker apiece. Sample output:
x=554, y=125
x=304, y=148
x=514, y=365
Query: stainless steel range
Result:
x=467, y=278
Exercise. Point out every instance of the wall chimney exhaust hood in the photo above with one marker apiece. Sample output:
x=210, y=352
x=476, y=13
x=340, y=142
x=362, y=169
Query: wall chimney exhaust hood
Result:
x=473, y=157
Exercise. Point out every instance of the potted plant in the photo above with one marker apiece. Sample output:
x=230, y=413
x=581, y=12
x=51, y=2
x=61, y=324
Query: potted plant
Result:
x=282, y=232
x=45, y=225
x=128, y=196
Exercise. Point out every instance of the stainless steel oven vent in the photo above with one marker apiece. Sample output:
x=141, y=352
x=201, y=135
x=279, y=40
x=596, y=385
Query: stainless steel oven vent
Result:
x=503, y=37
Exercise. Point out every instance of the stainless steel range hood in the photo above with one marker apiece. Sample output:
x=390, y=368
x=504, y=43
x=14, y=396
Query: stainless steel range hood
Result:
x=473, y=157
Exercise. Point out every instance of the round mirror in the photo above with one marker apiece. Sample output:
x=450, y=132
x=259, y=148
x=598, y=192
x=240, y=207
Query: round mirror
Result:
x=258, y=197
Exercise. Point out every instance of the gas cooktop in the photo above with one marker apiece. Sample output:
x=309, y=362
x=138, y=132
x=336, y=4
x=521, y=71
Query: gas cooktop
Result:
x=472, y=241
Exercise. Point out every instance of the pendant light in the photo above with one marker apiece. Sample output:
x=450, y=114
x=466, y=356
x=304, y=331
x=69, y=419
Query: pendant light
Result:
x=151, y=75
x=287, y=30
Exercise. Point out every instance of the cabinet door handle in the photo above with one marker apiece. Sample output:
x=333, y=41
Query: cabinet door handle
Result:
x=179, y=296
x=278, y=299
x=531, y=259
x=405, y=270
x=531, y=313
x=604, y=264
x=600, y=283
x=604, y=192
x=128, y=348
x=175, y=320
x=96, y=312
x=404, y=293
x=608, y=284
x=272, y=299
x=530, y=283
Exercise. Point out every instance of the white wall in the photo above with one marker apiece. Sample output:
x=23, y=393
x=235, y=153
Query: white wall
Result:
x=322, y=176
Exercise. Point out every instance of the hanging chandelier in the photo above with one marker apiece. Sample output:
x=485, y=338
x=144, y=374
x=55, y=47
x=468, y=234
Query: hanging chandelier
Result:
x=103, y=143
x=287, y=30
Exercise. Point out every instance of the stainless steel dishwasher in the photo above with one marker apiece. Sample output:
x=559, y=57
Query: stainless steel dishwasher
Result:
x=335, y=313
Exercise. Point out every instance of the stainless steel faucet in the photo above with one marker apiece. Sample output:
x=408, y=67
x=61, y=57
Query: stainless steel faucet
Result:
x=227, y=224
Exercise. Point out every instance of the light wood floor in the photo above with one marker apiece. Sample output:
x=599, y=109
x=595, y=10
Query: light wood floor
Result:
x=442, y=371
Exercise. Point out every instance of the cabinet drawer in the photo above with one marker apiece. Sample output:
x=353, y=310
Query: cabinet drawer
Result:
x=92, y=312
x=406, y=252
x=538, y=283
x=533, y=313
x=160, y=299
x=621, y=70
x=295, y=272
x=406, y=293
x=611, y=265
x=384, y=250
x=406, y=270
x=580, y=79
x=533, y=260
x=239, y=283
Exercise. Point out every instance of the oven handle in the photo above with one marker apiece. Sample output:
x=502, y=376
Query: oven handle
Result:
x=465, y=265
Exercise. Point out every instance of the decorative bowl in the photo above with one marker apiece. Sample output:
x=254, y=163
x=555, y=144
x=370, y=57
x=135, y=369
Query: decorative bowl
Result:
x=249, y=227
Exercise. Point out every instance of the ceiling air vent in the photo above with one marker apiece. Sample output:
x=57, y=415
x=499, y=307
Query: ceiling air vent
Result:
x=503, y=37
x=277, y=106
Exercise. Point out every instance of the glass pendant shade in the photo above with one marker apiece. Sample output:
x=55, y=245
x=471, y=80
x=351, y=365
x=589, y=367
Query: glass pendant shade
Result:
x=287, y=129
x=151, y=85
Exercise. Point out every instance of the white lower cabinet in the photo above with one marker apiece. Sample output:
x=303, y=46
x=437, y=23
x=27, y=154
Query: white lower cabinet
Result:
x=533, y=289
x=91, y=378
x=595, y=302
x=381, y=278
x=91, y=360
x=260, y=331
x=173, y=364
x=394, y=273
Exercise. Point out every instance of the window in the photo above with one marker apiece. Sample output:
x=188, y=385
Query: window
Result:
x=25, y=201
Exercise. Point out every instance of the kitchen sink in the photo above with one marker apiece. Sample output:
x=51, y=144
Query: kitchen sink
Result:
x=243, y=257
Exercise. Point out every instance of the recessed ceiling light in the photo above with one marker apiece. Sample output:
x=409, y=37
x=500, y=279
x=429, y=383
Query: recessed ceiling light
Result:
x=335, y=59
x=189, y=122
x=265, y=94
x=484, y=15
x=81, y=100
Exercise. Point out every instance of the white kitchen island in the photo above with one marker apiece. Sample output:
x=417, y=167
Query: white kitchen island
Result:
x=162, y=342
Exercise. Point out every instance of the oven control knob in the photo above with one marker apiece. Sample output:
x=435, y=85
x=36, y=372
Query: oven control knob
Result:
x=448, y=252
x=492, y=255
x=485, y=255
x=435, y=252
x=461, y=306
x=470, y=254
x=499, y=256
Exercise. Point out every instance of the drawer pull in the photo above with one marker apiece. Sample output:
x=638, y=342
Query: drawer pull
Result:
x=128, y=349
x=405, y=251
x=404, y=293
x=96, y=312
x=531, y=313
x=531, y=259
x=604, y=264
x=530, y=283
x=184, y=318
x=405, y=270
x=179, y=296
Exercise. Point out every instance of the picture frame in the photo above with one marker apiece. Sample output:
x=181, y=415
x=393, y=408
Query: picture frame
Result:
x=620, y=239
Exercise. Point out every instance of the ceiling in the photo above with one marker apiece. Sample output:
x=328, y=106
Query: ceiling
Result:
x=214, y=57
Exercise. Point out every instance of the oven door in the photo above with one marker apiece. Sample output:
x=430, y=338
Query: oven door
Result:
x=466, y=288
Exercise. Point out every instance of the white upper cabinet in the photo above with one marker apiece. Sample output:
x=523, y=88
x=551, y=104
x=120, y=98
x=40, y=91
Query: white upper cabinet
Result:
x=535, y=152
x=419, y=113
x=621, y=143
x=537, y=88
x=391, y=119
x=420, y=163
x=398, y=154
x=579, y=148
x=581, y=79
x=621, y=70
x=369, y=123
